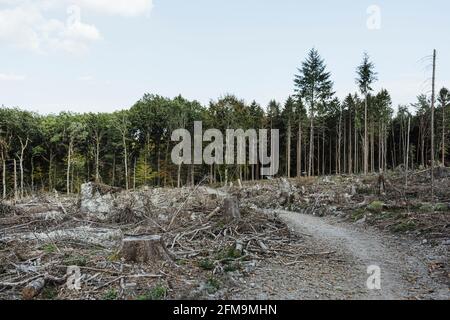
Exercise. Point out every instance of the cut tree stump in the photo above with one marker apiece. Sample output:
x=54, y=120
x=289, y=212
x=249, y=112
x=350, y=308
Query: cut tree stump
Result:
x=144, y=248
x=231, y=208
x=33, y=289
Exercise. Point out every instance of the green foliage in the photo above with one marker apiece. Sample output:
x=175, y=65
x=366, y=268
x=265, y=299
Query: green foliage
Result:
x=404, y=226
x=75, y=260
x=206, y=264
x=49, y=293
x=212, y=285
x=376, y=206
x=157, y=293
x=49, y=248
x=441, y=207
x=358, y=214
x=111, y=294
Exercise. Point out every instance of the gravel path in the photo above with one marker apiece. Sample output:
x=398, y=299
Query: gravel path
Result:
x=404, y=265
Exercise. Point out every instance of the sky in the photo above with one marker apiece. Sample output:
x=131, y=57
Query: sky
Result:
x=103, y=55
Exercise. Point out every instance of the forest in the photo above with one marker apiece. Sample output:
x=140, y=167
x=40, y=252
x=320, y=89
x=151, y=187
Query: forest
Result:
x=319, y=135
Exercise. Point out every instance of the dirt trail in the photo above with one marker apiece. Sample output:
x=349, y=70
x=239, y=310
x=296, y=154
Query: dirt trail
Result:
x=343, y=275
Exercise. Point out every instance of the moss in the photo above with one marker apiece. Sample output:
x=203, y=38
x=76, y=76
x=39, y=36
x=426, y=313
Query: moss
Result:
x=376, y=206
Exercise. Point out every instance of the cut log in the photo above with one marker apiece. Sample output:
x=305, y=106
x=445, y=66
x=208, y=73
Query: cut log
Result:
x=33, y=289
x=231, y=208
x=144, y=248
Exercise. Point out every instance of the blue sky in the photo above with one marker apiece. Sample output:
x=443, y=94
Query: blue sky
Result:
x=106, y=58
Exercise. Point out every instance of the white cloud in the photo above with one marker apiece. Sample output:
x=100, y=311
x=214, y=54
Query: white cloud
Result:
x=11, y=77
x=25, y=26
x=25, y=23
x=86, y=78
x=128, y=8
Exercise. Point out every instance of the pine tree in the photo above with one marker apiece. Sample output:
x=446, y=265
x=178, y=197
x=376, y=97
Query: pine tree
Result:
x=366, y=76
x=314, y=86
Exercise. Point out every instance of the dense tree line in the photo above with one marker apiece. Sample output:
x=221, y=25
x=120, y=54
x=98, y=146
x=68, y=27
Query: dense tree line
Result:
x=319, y=134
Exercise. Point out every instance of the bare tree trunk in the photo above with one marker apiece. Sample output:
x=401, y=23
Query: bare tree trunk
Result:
x=69, y=155
x=134, y=174
x=22, y=151
x=311, y=147
x=350, y=160
x=32, y=174
x=288, y=153
x=407, y=153
x=97, y=159
x=4, y=177
x=299, y=150
x=443, y=134
x=433, y=97
x=323, y=152
x=339, y=142
x=366, y=140
x=125, y=157
x=15, y=180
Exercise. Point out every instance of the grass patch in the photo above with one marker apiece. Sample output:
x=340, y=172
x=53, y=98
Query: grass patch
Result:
x=79, y=261
x=111, y=294
x=231, y=267
x=206, y=264
x=50, y=293
x=157, y=293
x=376, y=206
x=358, y=214
x=363, y=190
x=426, y=208
x=49, y=248
x=212, y=285
x=404, y=226
x=441, y=207
x=114, y=257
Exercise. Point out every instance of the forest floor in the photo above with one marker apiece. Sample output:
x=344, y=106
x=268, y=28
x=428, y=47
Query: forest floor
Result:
x=307, y=238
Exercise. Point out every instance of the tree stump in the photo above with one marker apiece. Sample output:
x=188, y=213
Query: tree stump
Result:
x=144, y=248
x=33, y=289
x=231, y=208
